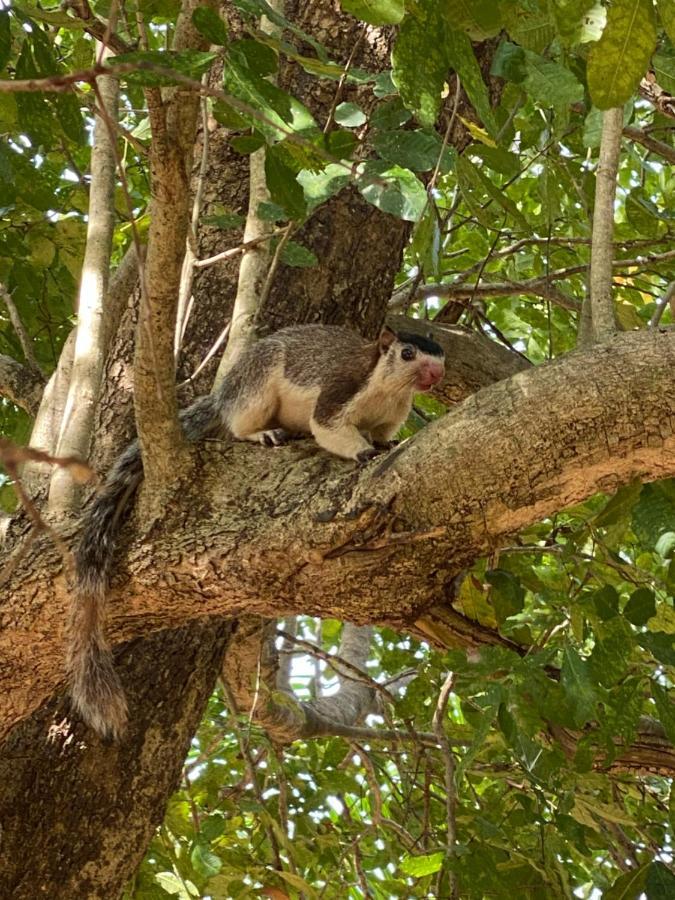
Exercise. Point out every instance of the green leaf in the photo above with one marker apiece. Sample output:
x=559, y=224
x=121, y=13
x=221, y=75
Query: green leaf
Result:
x=271, y=212
x=187, y=63
x=618, y=506
x=654, y=514
x=294, y=254
x=376, y=12
x=394, y=190
x=666, y=10
x=642, y=213
x=205, y=862
x=473, y=181
x=247, y=143
x=628, y=886
x=606, y=602
x=663, y=64
x=70, y=117
x=665, y=709
x=481, y=19
x=389, y=115
x=613, y=649
x=576, y=679
x=568, y=15
x=507, y=595
x=420, y=64
x=640, y=607
x=208, y=22
x=321, y=186
x=5, y=38
x=660, y=644
x=416, y=150
x=282, y=184
x=617, y=62
x=660, y=884
x=417, y=866
x=549, y=83
x=350, y=115
x=256, y=56
x=463, y=60
x=533, y=30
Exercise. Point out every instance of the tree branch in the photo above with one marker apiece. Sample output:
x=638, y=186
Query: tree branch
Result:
x=155, y=403
x=659, y=147
x=20, y=329
x=92, y=337
x=602, y=318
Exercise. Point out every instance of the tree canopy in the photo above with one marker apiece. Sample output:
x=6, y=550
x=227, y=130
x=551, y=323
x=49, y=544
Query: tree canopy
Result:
x=445, y=674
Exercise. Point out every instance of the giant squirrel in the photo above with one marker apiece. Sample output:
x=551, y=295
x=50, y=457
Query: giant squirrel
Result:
x=351, y=394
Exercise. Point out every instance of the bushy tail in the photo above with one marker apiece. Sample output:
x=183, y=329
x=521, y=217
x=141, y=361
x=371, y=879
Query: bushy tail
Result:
x=95, y=687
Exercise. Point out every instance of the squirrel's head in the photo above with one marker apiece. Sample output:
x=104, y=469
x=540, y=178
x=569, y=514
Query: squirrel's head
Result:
x=410, y=359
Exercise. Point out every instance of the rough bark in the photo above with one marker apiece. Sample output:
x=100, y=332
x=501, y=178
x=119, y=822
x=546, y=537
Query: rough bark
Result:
x=298, y=531
x=21, y=385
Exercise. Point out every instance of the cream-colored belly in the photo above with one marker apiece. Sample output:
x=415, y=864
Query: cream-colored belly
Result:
x=296, y=405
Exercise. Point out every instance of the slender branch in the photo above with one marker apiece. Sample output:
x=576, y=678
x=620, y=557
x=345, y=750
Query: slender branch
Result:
x=603, y=320
x=21, y=332
x=96, y=27
x=92, y=337
x=449, y=761
x=668, y=298
x=255, y=263
x=651, y=143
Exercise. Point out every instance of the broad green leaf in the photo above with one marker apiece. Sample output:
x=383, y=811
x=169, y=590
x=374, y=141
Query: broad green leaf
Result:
x=640, y=607
x=550, y=83
x=376, y=12
x=282, y=184
x=532, y=30
x=612, y=652
x=186, y=63
x=294, y=254
x=259, y=8
x=473, y=599
x=666, y=10
x=393, y=190
x=257, y=57
x=247, y=143
x=628, y=886
x=507, y=594
x=660, y=644
x=654, y=514
x=665, y=708
x=70, y=117
x=606, y=602
x=642, y=213
x=420, y=63
x=568, y=15
x=660, y=884
x=389, y=115
x=617, y=62
x=209, y=23
x=479, y=18
x=576, y=679
x=350, y=115
x=417, y=866
x=321, y=186
x=204, y=861
x=463, y=60
x=619, y=506
x=416, y=150
x=663, y=64
x=509, y=62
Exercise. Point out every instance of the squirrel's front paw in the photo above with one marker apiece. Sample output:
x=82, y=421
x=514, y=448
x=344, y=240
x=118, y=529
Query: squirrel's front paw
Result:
x=366, y=455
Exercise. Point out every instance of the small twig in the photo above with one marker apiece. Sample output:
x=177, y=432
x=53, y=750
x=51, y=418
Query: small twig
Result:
x=449, y=760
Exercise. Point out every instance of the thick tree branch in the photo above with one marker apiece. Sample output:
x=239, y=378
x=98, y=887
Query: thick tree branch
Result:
x=174, y=127
x=21, y=385
x=296, y=531
x=92, y=337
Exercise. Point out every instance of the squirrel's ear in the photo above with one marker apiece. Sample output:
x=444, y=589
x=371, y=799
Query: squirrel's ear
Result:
x=386, y=339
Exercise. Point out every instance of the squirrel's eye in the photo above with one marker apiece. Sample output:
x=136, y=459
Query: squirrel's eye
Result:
x=407, y=354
